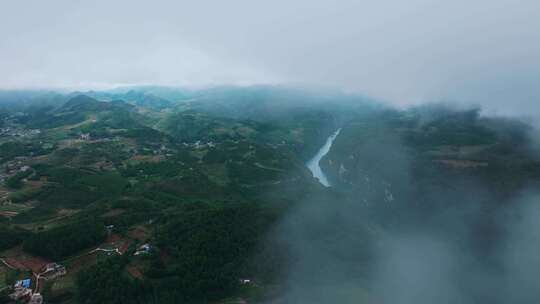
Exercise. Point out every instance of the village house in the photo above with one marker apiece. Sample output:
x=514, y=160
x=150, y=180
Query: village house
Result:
x=36, y=298
x=52, y=271
x=21, y=294
x=143, y=249
x=23, y=283
x=85, y=136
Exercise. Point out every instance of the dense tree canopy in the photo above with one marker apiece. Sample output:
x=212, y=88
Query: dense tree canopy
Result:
x=210, y=247
x=64, y=241
x=106, y=282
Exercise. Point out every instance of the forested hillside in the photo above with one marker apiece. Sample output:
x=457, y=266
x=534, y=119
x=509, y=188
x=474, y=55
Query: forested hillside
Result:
x=159, y=195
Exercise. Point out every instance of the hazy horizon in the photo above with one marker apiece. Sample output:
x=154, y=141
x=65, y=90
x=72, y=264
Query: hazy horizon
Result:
x=352, y=151
x=487, y=52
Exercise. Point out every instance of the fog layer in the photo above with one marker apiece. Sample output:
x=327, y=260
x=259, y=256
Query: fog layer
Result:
x=451, y=238
x=483, y=52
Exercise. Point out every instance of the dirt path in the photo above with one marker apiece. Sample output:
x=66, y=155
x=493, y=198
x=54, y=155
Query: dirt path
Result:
x=7, y=264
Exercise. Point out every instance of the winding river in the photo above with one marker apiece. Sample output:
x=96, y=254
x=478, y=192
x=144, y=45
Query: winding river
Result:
x=313, y=164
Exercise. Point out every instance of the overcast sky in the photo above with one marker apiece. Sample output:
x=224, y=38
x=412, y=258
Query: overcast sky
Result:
x=484, y=51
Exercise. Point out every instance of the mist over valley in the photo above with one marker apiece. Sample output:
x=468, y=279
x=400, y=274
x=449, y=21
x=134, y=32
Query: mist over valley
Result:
x=283, y=152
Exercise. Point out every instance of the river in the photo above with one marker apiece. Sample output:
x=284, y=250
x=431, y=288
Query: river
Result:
x=313, y=164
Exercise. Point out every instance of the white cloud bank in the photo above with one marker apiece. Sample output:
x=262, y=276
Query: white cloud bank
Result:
x=485, y=51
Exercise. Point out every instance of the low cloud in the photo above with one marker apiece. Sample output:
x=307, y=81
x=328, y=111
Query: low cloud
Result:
x=483, y=52
x=459, y=243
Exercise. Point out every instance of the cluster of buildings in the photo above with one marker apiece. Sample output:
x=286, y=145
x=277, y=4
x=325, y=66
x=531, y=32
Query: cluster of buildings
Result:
x=163, y=150
x=200, y=145
x=22, y=290
x=51, y=271
x=13, y=167
x=23, y=293
x=10, y=131
x=85, y=136
x=143, y=249
x=89, y=138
